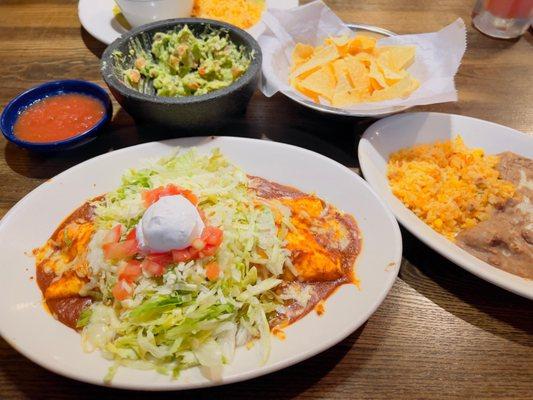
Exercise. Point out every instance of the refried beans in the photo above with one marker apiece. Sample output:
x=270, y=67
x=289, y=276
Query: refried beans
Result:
x=505, y=240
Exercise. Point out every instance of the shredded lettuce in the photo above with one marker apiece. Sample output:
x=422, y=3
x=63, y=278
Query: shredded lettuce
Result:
x=182, y=319
x=84, y=318
x=154, y=308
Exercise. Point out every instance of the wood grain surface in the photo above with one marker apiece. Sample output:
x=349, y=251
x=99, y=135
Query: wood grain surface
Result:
x=441, y=332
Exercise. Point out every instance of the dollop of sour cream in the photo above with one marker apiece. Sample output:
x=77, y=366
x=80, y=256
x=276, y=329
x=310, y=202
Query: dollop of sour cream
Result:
x=171, y=223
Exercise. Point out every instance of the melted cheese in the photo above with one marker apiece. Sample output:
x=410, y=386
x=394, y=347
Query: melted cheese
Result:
x=67, y=286
x=65, y=257
x=312, y=260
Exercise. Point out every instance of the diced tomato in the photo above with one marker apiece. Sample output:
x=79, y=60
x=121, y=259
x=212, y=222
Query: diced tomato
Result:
x=152, y=268
x=193, y=253
x=161, y=258
x=151, y=196
x=132, y=234
x=198, y=244
x=212, y=271
x=208, y=251
x=190, y=196
x=188, y=254
x=204, y=246
x=181, y=255
x=171, y=189
x=130, y=271
x=202, y=215
x=212, y=235
x=113, y=235
x=120, y=250
x=122, y=290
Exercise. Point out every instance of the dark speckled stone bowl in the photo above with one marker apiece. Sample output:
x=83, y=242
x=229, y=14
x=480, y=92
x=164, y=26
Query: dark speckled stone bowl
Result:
x=189, y=112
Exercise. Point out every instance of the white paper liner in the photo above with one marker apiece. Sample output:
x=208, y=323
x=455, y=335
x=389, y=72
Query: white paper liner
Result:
x=437, y=59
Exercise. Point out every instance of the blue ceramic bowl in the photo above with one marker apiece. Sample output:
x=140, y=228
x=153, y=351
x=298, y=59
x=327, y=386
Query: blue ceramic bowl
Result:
x=29, y=97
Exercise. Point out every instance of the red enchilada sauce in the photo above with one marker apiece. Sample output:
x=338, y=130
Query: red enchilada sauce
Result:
x=58, y=117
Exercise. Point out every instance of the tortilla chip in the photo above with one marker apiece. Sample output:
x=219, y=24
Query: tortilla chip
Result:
x=301, y=53
x=400, y=89
x=342, y=43
x=294, y=81
x=358, y=75
x=377, y=75
x=397, y=58
x=297, y=79
x=374, y=85
x=340, y=69
x=346, y=98
x=338, y=41
x=365, y=58
x=391, y=76
x=322, y=82
x=362, y=43
x=306, y=92
x=320, y=57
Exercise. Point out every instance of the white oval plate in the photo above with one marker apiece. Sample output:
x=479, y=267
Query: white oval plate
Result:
x=393, y=133
x=97, y=17
x=56, y=347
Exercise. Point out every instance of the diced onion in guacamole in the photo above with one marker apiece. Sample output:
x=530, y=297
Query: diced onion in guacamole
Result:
x=182, y=64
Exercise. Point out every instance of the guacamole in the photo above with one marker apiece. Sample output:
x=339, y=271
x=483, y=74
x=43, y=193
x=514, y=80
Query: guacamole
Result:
x=182, y=64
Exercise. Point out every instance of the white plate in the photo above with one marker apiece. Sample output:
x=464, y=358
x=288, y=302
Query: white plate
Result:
x=393, y=133
x=97, y=17
x=29, y=329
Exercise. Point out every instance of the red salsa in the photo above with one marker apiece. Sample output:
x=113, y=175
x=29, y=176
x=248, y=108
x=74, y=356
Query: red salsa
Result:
x=58, y=117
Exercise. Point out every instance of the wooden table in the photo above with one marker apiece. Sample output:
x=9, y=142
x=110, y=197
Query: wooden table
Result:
x=441, y=332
